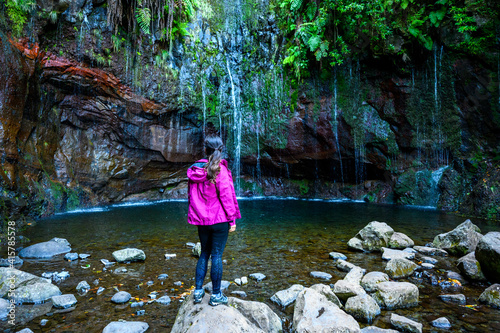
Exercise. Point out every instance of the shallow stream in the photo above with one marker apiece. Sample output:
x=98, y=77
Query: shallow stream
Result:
x=283, y=239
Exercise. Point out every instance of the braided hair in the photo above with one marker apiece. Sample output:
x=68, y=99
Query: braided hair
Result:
x=213, y=148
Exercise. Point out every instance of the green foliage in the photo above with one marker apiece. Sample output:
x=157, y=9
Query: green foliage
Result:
x=18, y=12
x=143, y=16
x=329, y=31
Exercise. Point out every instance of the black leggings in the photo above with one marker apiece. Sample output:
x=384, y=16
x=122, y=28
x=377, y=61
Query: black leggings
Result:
x=213, y=240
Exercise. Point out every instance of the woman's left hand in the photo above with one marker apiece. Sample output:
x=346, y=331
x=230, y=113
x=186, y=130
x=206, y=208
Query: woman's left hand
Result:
x=232, y=228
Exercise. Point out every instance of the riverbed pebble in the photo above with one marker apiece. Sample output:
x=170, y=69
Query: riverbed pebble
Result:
x=126, y=326
x=120, y=270
x=170, y=255
x=71, y=256
x=129, y=255
x=178, y=283
x=442, y=323
x=165, y=300
x=121, y=297
x=162, y=276
x=337, y=255
x=239, y=293
x=63, y=301
x=136, y=304
x=427, y=266
x=456, y=298
x=100, y=290
x=106, y=262
x=83, y=287
x=344, y=289
x=83, y=256
x=344, y=266
x=25, y=330
x=429, y=260
x=257, y=276
x=44, y=322
x=321, y=275
x=405, y=324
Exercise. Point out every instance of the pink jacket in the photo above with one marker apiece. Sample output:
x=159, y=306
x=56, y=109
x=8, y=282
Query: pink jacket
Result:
x=211, y=203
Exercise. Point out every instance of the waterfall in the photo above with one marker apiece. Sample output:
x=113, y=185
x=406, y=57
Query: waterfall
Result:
x=257, y=126
x=336, y=123
x=203, y=91
x=236, y=129
x=433, y=191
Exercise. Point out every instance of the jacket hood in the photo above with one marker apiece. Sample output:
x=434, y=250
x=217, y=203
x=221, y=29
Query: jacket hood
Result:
x=198, y=174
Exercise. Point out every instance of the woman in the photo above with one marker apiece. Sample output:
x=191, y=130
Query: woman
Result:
x=214, y=209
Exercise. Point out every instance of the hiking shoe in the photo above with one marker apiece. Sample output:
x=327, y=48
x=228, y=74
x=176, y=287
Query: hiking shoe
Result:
x=217, y=299
x=198, y=295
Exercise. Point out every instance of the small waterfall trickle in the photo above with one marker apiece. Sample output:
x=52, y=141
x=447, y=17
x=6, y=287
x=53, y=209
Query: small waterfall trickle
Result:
x=236, y=129
x=336, y=123
x=434, y=191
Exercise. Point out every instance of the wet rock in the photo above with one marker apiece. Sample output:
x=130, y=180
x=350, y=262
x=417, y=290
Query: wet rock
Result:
x=129, y=255
x=427, y=266
x=321, y=275
x=441, y=323
x=375, y=329
x=162, y=276
x=470, y=267
x=223, y=286
x=491, y=296
x=63, y=301
x=456, y=299
x=345, y=289
x=83, y=287
x=25, y=330
x=8, y=262
x=28, y=288
x=355, y=244
x=355, y=275
x=137, y=304
x=429, y=260
x=314, y=313
x=389, y=254
x=121, y=297
x=362, y=307
x=239, y=293
x=197, y=249
x=344, y=265
x=120, y=270
x=405, y=324
x=83, y=256
x=456, y=276
x=177, y=283
x=44, y=322
x=4, y=308
x=257, y=276
x=239, y=316
x=100, y=290
x=400, y=241
x=337, y=255
x=326, y=291
x=370, y=280
x=287, y=296
x=126, y=327
x=431, y=251
x=170, y=255
x=71, y=256
x=396, y=295
x=165, y=300
x=410, y=250
x=373, y=237
x=46, y=250
x=488, y=255
x=461, y=240
x=400, y=268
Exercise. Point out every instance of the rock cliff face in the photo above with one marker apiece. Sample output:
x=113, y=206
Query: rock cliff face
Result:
x=89, y=117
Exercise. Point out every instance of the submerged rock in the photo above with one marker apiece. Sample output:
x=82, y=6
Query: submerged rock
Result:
x=470, y=267
x=405, y=324
x=83, y=287
x=239, y=316
x=126, y=327
x=370, y=280
x=396, y=295
x=457, y=299
x=71, y=256
x=165, y=300
x=362, y=307
x=400, y=268
x=344, y=265
x=121, y=297
x=375, y=329
x=129, y=255
x=16, y=261
x=488, y=255
x=442, y=322
x=46, y=250
x=431, y=251
x=28, y=288
x=491, y=296
x=287, y=296
x=63, y=301
x=372, y=237
x=337, y=255
x=461, y=240
x=257, y=276
x=400, y=241
x=314, y=313
x=321, y=275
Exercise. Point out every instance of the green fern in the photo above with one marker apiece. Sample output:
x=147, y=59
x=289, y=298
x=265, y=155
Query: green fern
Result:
x=143, y=16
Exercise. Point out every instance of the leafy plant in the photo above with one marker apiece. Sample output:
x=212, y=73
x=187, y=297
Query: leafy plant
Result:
x=18, y=12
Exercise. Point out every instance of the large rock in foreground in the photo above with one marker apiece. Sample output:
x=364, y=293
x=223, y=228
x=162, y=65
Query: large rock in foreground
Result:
x=461, y=240
x=470, y=267
x=396, y=295
x=314, y=313
x=287, y=296
x=488, y=255
x=46, y=250
x=362, y=307
x=239, y=316
x=28, y=288
x=129, y=255
x=491, y=296
x=372, y=237
x=400, y=268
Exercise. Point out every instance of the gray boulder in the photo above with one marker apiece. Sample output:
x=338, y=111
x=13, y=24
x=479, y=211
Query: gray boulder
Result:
x=400, y=241
x=400, y=268
x=370, y=280
x=372, y=237
x=488, y=255
x=239, y=316
x=396, y=295
x=456, y=299
x=355, y=275
x=46, y=250
x=461, y=240
x=375, y=329
x=337, y=256
x=28, y=288
x=491, y=296
x=223, y=286
x=429, y=260
x=321, y=275
x=326, y=291
x=4, y=308
x=431, y=251
x=442, y=323
x=287, y=296
x=362, y=307
x=126, y=327
x=344, y=265
x=405, y=324
x=63, y=301
x=345, y=289
x=389, y=254
x=314, y=313
x=121, y=297
x=129, y=255
x=470, y=267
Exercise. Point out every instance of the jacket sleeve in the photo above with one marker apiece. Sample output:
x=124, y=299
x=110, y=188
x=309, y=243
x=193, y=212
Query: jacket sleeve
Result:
x=227, y=195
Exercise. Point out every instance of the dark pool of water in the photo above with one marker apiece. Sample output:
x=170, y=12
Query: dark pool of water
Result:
x=284, y=239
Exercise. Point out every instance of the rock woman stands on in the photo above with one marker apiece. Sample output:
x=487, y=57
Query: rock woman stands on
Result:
x=214, y=209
